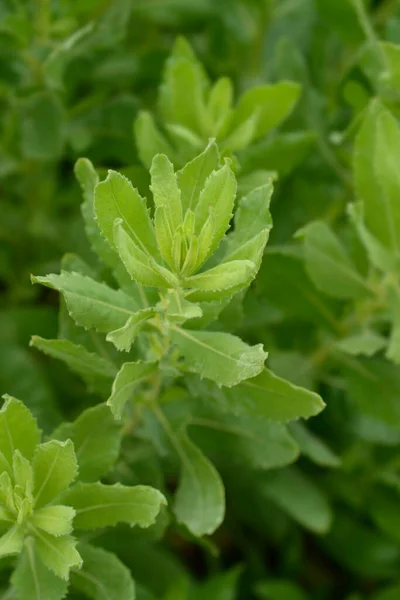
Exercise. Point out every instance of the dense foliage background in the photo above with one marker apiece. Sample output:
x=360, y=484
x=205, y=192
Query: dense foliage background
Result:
x=74, y=78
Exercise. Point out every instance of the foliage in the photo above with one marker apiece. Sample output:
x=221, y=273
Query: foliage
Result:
x=226, y=383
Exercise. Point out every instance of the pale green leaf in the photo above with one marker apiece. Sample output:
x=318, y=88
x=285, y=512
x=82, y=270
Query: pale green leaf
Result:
x=299, y=497
x=274, y=398
x=55, y=520
x=149, y=140
x=91, y=304
x=96, y=437
x=222, y=357
x=136, y=262
x=252, y=215
x=219, y=104
x=23, y=474
x=59, y=554
x=18, y=430
x=54, y=469
x=130, y=376
x=274, y=103
x=219, y=193
x=87, y=364
x=12, y=541
x=221, y=278
x=329, y=265
x=116, y=198
x=200, y=499
x=98, y=505
x=243, y=134
x=192, y=177
x=33, y=581
x=177, y=308
x=103, y=576
x=124, y=337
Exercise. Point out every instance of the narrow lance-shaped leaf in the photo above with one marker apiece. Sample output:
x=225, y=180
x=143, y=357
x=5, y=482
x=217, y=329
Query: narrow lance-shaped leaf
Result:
x=124, y=337
x=149, y=139
x=222, y=357
x=102, y=575
x=200, y=499
x=192, y=177
x=116, y=198
x=98, y=505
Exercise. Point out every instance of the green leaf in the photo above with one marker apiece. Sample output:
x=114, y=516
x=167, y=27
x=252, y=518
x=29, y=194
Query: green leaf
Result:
x=219, y=104
x=124, y=337
x=88, y=365
x=96, y=437
x=12, y=541
x=59, y=554
x=98, y=505
x=167, y=199
x=177, y=308
x=137, y=263
x=130, y=376
x=299, y=497
x=375, y=173
x=200, y=499
x=328, y=264
x=91, y=304
x=273, y=102
x=149, y=139
x=269, y=396
x=102, y=576
x=219, y=193
x=279, y=590
x=18, y=430
x=252, y=216
x=33, y=581
x=222, y=278
x=192, y=177
x=222, y=357
x=313, y=447
x=54, y=469
x=115, y=198
x=181, y=98
x=55, y=520
x=366, y=342
x=222, y=586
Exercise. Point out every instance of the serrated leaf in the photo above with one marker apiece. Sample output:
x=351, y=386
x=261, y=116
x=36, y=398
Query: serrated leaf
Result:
x=54, y=469
x=219, y=193
x=55, y=520
x=222, y=357
x=252, y=215
x=116, y=198
x=102, y=576
x=222, y=278
x=18, y=430
x=272, y=397
x=328, y=264
x=87, y=364
x=177, y=308
x=96, y=437
x=274, y=102
x=130, y=376
x=299, y=497
x=124, y=337
x=33, y=581
x=91, y=304
x=149, y=139
x=136, y=262
x=98, y=505
x=192, y=177
x=200, y=498
x=59, y=554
